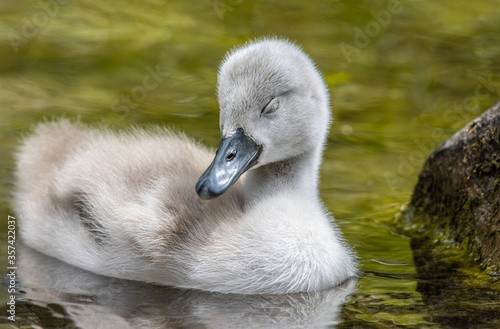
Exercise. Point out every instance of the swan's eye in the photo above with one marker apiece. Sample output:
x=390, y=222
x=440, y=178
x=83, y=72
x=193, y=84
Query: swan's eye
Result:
x=271, y=106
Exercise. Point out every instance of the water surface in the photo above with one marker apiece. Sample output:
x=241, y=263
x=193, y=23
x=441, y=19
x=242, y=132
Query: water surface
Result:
x=403, y=76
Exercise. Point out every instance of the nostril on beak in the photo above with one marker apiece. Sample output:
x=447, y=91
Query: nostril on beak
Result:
x=231, y=156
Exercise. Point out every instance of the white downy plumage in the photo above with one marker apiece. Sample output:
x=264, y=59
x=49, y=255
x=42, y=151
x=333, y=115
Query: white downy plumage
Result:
x=123, y=204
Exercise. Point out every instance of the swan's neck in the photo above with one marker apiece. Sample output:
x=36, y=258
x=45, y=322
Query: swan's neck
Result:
x=297, y=175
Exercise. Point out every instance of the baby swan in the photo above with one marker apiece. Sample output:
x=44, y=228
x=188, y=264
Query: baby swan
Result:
x=124, y=204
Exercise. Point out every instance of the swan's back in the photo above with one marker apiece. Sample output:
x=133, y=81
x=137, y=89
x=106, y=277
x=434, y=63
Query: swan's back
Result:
x=96, y=196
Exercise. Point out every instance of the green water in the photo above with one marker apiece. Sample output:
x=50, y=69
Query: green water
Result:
x=403, y=76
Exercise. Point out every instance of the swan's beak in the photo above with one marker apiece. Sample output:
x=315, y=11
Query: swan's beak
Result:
x=236, y=154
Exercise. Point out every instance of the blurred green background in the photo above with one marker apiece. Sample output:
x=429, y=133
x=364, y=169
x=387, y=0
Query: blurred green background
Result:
x=403, y=76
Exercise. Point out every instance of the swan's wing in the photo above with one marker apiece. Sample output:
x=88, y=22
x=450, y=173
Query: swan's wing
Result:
x=118, y=204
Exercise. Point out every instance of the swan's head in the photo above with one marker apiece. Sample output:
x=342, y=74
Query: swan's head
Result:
x=274, y=106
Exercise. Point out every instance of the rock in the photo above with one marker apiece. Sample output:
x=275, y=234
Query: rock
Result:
x=457, y=197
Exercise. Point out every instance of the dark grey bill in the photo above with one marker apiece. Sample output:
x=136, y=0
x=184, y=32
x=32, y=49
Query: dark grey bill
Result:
x=235, y=155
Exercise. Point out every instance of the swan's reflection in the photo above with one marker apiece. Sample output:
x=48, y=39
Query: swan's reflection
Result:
x=94, y=301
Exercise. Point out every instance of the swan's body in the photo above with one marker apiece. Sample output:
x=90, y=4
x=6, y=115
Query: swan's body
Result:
x=124, y=204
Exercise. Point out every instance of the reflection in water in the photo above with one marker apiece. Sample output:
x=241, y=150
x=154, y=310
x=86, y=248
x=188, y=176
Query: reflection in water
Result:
x=93, y=301
x=457, y=299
